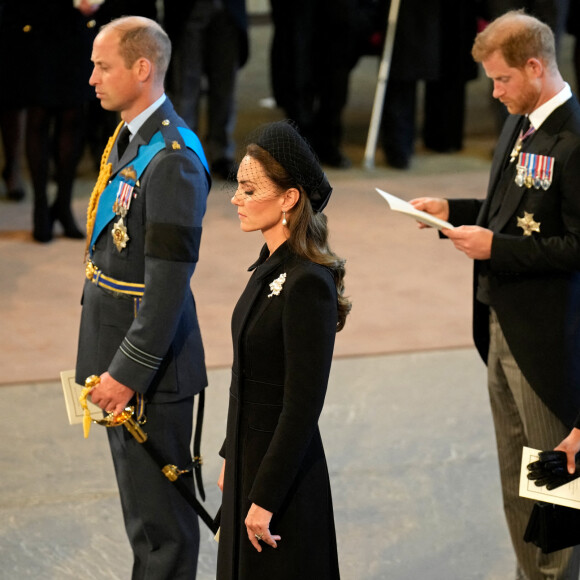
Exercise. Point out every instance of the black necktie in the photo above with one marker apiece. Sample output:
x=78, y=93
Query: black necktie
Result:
x=525, y=125
x=123, y=141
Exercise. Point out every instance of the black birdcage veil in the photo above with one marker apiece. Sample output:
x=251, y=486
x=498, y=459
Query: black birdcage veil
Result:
x=284, y=143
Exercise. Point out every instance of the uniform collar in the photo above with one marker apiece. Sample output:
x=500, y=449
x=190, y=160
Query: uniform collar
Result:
x=140, y=119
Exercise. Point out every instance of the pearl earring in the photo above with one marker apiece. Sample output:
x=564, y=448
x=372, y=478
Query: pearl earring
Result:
x=284, y=222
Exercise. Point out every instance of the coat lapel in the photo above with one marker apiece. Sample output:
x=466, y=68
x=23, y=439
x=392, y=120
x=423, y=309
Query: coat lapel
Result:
x=264, y=268
x=503, y=149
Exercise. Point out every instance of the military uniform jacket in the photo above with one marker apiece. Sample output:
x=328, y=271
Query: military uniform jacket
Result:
x=283, y=344
x=154, y=347
x=533, y=278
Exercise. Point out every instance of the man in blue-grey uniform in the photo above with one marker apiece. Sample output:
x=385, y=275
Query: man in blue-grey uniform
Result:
x=139, y=331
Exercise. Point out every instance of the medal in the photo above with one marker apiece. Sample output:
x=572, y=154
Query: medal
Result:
x=520, y=174
x=516, y=150
x=547, y=169
x=534, y=170
x=121, y=206
x=529, y=180
x=519, y=142
x=528, y=224
x=120, y=237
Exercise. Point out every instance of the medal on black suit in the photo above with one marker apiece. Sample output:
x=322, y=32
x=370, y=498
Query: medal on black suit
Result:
x=534, y=170
x=528, y=224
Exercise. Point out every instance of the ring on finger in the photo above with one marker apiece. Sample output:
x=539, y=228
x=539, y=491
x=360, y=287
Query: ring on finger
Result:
x=258, y=536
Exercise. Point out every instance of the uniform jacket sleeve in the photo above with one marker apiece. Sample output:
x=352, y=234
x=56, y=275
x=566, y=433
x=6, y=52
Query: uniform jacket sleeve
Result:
x=176, y=188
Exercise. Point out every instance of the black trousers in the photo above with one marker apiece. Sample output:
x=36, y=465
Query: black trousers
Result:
x=444, y=116
x=313, y=51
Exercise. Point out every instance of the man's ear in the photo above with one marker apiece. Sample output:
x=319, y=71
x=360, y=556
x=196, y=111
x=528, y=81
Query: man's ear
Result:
x=290, y=199
x=143, y=68
x=535, y=66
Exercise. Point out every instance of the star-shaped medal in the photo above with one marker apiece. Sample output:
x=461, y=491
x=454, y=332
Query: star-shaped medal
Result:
x=120, y=237
x=528, y=224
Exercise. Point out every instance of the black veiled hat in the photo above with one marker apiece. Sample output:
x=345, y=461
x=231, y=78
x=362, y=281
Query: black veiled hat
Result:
x=285, y=144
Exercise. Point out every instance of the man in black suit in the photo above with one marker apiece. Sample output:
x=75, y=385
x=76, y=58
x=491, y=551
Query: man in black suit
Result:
x=526, y=245
x=139, y=330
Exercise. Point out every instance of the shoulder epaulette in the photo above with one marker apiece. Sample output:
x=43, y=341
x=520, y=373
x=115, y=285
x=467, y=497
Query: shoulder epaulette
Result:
x=171, y=135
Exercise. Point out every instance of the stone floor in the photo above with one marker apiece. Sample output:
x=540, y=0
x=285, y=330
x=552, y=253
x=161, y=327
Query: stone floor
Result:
x=409, y=444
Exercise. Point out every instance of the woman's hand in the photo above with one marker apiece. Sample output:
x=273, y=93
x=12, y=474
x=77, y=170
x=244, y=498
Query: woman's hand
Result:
x=220, y=481
x=258, y=527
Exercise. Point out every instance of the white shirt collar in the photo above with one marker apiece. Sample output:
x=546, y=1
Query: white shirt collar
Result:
x=538, y=116
x=140, y=119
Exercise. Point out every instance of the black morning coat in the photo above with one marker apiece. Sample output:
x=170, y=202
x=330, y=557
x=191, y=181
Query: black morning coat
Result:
x=283, y=345
x=533, y=279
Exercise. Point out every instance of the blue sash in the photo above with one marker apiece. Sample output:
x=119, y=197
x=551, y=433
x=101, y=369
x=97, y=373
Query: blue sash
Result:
x=146, y=153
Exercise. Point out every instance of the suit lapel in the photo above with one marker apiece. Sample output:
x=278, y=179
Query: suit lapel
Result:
x=504, y=146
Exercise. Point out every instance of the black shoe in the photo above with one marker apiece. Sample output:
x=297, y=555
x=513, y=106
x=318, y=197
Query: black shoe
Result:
x=440, y=148
x=225, y=168
x=15, y=194
x=72, y=231
x=42, y=231
x=398, y=160
x=68, y=223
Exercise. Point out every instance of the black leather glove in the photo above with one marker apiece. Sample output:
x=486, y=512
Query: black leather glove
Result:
x=550, y=469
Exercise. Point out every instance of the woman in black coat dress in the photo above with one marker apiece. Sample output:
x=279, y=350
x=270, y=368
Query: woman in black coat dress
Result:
x=276, y=517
